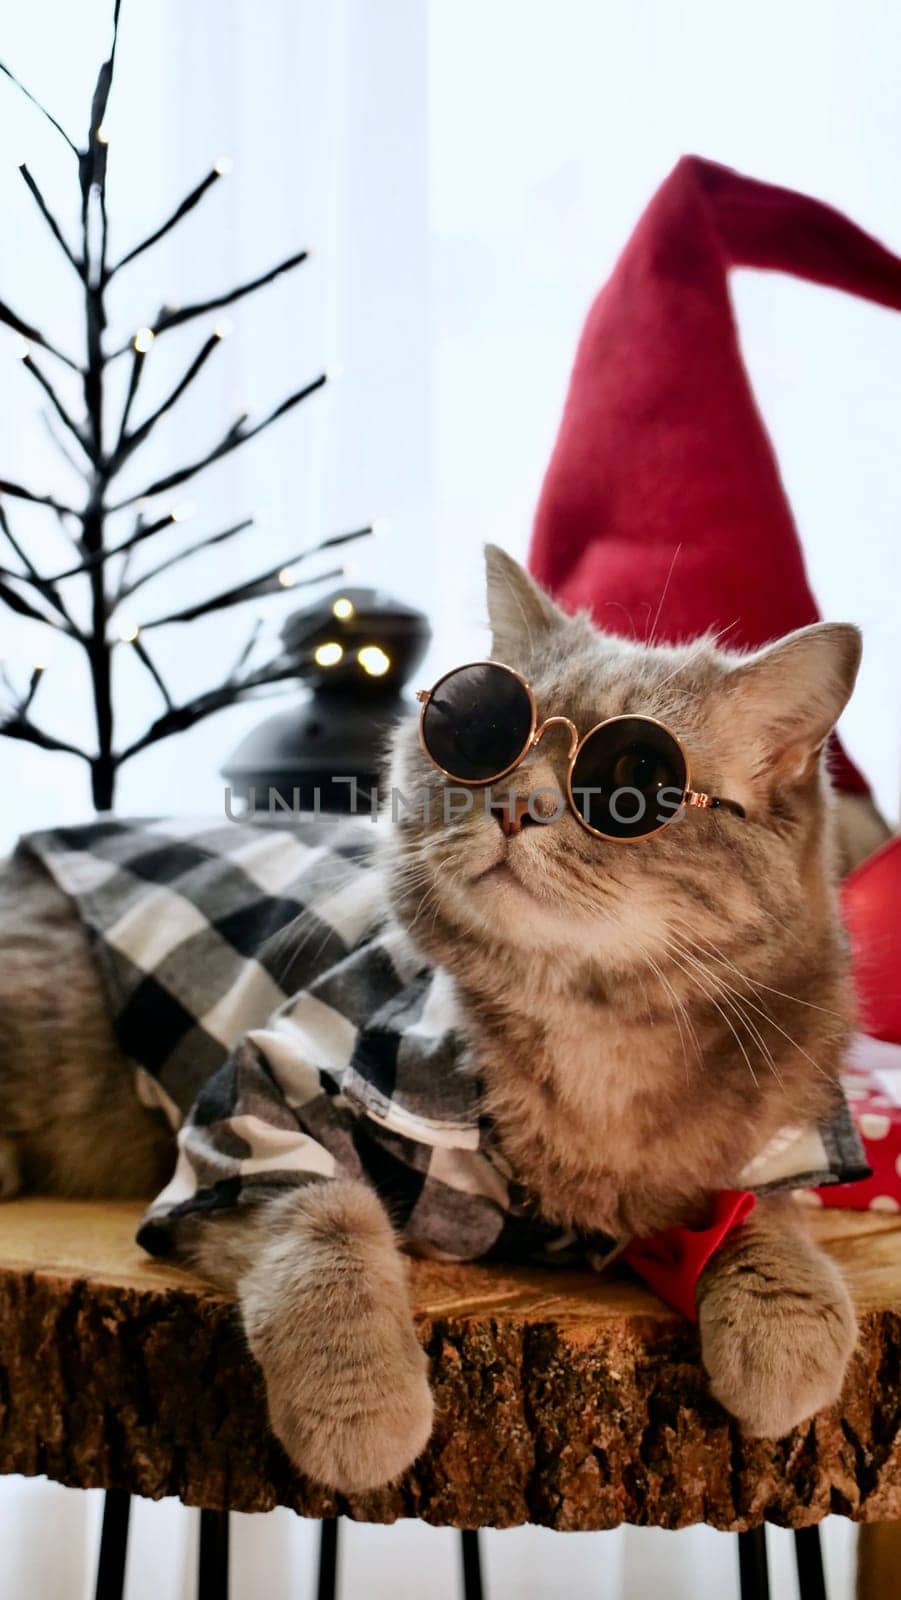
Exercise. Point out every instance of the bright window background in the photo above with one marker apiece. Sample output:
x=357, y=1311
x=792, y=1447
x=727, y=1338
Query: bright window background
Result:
x=550, y=128
x=467, y=173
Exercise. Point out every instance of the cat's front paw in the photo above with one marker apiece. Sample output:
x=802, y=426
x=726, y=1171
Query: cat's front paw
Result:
x=327, y=1315
x=369, y=1428
x=776, y=1344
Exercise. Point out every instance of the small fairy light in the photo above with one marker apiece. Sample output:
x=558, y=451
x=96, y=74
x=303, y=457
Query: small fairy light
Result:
x=286, y=578
x=373, y=660
x=223, y=165
x=224, y=328
x=343, y=609
x=38, y=668
x=328, y=654
x=334, y=372
x=21, y=348
x=142, y=340
x=101, y=135
x=128, y=631
x=183, y=512
x=381, y=526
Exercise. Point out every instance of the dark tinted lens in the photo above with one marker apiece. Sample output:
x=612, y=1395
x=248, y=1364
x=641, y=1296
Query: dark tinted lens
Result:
x=477, y=722
x=629, y=778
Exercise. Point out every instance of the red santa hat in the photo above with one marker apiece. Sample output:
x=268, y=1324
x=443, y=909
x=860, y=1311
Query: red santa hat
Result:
x=663, y=498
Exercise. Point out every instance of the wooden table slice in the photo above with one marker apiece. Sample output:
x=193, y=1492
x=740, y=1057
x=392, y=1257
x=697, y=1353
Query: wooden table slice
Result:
x=564, y=1399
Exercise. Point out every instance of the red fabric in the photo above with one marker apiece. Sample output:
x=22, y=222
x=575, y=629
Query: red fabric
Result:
x=662, y=504
x=872, y=1084
x=871, y=907
x=672, y=1262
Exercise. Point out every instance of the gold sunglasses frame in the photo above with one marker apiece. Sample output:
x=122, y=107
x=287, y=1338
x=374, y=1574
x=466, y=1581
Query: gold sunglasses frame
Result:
x=690, y=797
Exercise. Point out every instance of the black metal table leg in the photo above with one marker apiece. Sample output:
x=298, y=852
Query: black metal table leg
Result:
x=212, y=1564
x=809, y=1558
x=328, y=1559
x=472, y=1564
x=113, y=1545
x=753, y=1573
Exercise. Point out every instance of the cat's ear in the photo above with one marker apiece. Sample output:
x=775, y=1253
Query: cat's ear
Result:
x=786, y=699
x=520, y=613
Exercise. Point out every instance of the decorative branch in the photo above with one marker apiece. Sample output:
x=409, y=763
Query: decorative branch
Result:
x=22, y=728
x=236, y=436
x=188, y=203
x=34, y=335
x=181, y=717
x=23, y=555
x=41, y=108
x=37, y=674
x=99, y=558
x=140, y=346
x=19, y=492
x=144, y=656
x=27, y=592
x=31, y=366
x=174, y=316
x=331, y=543
x=50, y=220
x=18, y=603
x=247, y=650
x=128, y=589
x=60, y=443
x=44, y=586
x=130, y=441
x=264, y=583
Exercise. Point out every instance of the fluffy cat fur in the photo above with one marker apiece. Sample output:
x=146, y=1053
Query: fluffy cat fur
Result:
x=644, y=1018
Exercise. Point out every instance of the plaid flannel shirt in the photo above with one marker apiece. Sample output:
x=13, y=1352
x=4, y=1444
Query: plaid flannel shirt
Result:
x=289, y=1031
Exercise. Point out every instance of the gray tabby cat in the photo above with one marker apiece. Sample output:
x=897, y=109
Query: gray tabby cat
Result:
x=644, y=1019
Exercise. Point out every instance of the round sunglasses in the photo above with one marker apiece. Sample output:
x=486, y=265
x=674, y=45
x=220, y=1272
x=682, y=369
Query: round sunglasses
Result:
x=626, y=779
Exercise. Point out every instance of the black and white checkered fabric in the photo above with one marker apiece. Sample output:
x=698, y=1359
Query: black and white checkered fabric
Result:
x=290, y=1032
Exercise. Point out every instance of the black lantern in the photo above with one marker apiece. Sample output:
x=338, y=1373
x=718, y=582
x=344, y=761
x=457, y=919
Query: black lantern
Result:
x=355, y=649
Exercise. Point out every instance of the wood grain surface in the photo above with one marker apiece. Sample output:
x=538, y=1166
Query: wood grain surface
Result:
x=563, y=1398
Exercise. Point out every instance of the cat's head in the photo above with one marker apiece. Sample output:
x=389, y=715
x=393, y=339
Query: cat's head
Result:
x=753, y=728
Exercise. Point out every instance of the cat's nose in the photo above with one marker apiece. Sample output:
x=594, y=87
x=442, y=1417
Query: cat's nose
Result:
x=512, y=815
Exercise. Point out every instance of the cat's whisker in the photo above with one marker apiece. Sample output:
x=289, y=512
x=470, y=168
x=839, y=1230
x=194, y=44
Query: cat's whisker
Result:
x=725, y=1016
x=709, y=641
x=787, y=1036
x=783, y=927
x=736, y=1002
x=649, y=637
x=757, y=984
x=430, y=895
x=679, y=1011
